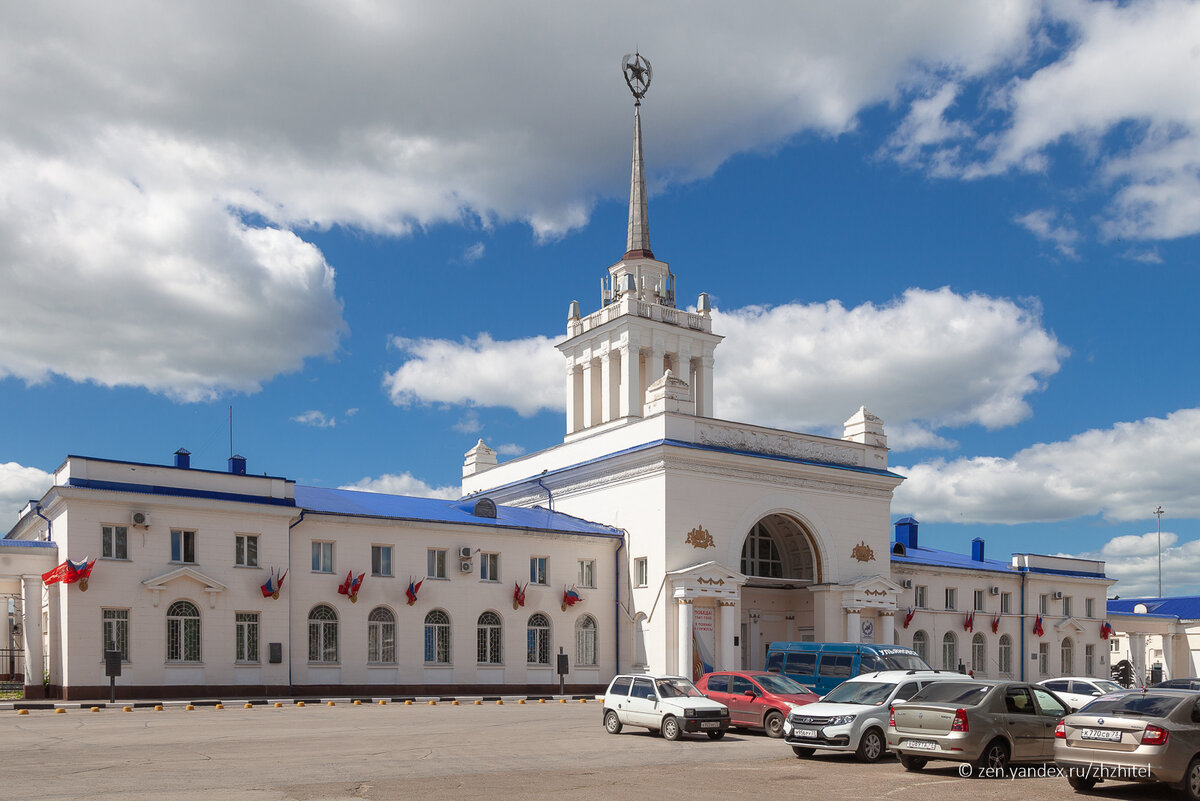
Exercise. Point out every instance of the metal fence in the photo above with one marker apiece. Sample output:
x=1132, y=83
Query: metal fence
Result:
x=12, y=670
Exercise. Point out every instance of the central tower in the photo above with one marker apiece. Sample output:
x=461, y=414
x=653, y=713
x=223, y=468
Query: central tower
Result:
x=626, y=347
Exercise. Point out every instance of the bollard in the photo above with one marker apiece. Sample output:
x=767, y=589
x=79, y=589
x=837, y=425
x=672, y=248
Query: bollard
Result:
x=382, y=702
x=190, y=708
x=541, y=700
x=330, y=703
x=158, y=708
x=279, y=705
x=247, y=705
x=60, y=711
x=454, y=702
x=219, y=706
x=433, y=703
x=95, y=709
x=299, y=703
x=22, y=711
x=408, y=703
x=521, y=701
x=357, y=702
x=126, y=709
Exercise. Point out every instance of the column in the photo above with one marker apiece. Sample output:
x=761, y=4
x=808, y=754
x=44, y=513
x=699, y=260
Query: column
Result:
x=853, y=626
x=685, y=636
x=631, y=382
x=704, y=389
x=606, y=387
x=574, y=399
x=727, y=651
x=657, y=363
x=1168, y=643
x=31, y=630
x=588, y=409
x=887, y=627
x=1137, y=655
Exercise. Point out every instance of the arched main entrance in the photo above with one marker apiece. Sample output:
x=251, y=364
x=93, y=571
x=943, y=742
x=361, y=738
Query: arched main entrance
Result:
x=780, y=560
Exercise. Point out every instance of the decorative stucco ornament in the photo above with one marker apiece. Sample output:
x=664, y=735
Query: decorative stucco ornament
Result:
x=862, y=552
x=699, y=538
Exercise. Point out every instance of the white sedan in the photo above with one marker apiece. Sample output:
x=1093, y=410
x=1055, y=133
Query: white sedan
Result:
x=1079, y=691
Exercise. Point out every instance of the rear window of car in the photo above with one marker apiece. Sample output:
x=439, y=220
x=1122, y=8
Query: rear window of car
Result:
x=836, y=666
x=801, y=663
x=1064, y=686
x=962, y=693
x=718, y=684
x=1135, y=704
x=775, y=661
x=620, y=685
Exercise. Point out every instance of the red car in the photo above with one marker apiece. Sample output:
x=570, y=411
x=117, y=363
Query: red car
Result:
x=756, y=700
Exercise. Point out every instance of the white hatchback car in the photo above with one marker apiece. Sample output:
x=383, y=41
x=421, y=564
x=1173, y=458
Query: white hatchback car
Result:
x=669, y=704
x=1079, y=691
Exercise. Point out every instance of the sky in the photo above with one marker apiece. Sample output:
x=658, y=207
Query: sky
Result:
x=359, y=226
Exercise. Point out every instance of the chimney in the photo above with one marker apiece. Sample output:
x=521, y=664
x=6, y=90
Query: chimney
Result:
x=183, y=458
x=237, y=465
x=977, y=549
x=906, y=532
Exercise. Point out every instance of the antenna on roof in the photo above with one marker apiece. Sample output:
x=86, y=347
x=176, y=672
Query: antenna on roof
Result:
x=231, y=431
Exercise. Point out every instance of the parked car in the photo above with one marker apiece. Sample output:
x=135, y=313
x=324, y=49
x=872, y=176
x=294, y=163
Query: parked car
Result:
x=1192, y=683
x=985, y=723
x=1137, y=735
x=854, y=715
x=1079, y=691
x=756, y=699
x=822, y=666
x=668, y=704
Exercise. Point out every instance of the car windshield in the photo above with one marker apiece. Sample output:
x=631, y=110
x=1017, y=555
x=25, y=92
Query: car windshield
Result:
x=960, y=693
x=867, y=693
x=1135, y=704
x=782, y=684
x=1105, y=686
x=676, y=688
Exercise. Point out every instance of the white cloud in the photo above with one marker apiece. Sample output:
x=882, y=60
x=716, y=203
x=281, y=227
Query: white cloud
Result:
x=1120, y=473
x=469, y=424
x=1133, y=559
x=474, y=253
x=510, y=449
x=316, y=419
x=926, y=125
x=352, y=411
x=18, y=486
x=1048, y=226
x=403, y=484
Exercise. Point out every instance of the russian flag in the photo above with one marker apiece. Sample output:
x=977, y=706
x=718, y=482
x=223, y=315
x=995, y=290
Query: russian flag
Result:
x=412, y=591
x=1106, y=630
x=268, y=588
x=571, y=597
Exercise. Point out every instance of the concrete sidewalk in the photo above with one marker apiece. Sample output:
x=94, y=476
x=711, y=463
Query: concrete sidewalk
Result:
x=149, y=703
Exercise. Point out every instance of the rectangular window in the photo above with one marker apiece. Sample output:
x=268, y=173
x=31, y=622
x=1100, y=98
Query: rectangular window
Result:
x=587, y=573
x=922, y=598
x=489, y=566
x=1044, y=657
x=1089, y=660
x=641, y=572
x=978, y=600
x=951, y=598
x=322, y=557
x=115, y=631
x=1006, y=603
x=1067, y=606
x=1043, y=603
x=245, y=550
x=435, y=559
x=381, y=560
x=539, y=570
x=246, y=631
x=1089, y=609
x=114, y=542
x=183, y=546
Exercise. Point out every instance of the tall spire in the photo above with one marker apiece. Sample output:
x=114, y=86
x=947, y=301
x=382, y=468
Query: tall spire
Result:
x=637, y=241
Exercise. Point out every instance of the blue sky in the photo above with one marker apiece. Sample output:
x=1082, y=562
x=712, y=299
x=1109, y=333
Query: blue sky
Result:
x=361, y=227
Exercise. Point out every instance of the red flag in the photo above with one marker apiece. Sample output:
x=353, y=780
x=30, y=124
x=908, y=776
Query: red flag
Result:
x=412, y=590
x=344, y=587
x=908, y=616
x=1037, y=626
x=519, y=594
x=1106, y=630
x=995, y=624
x=969, y=622
x=70, y=572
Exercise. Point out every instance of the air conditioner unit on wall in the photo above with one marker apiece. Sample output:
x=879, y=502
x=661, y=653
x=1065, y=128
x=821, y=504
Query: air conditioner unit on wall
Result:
x=464, y=567
x=1058, y=596
x=906, y=583
x=139, y=518
x=464, y=552
x=995, y=590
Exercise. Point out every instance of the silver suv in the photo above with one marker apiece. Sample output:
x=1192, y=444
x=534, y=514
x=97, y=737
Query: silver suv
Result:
x=669, y=704
x=854, y=715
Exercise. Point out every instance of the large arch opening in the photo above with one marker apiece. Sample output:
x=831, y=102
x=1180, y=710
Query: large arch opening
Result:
x=780, y=549
x=780, y=560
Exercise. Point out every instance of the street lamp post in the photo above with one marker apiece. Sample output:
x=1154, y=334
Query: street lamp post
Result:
x=1158, y=512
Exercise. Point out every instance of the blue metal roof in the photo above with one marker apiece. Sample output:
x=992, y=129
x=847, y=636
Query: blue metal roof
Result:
x=404, y=507
x=936, y=558
x=1184, y=607
x=27, y=543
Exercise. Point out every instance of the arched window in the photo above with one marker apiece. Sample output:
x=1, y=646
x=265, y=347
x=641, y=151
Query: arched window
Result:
x=490, y=631
x=1068, y=657
x=585, y=640
x=537, y=640
x=760, y=554
x=437, y=638
x=183, y=632
x=921, y=644
x=322, y=634
x=1005, y=655
x=979, y=655
x=381, y=636
x=640, y=626
x=949, y=651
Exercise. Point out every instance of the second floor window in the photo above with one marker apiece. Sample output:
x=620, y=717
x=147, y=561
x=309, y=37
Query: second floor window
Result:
x=489, y=566
x=1067, y=606
x=381, y=560
x=245, y=550
x=114, y=542
x=951, y=598
x=1006, y=603
x=435, y=559
x=322, y=557
x=641, y=572
x=1089, y=609
x=978, y=600
x=921, y=600
x=183, y=546
x=538, y=570
x=587, y=573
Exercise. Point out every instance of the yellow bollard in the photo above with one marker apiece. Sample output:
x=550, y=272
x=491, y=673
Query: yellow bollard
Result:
x=60, y=711
x=330, y=703
x=22, y=711
x=279, y=705
x=219, y=706
x=499, y=702
x=408, y=703
x=478, y=702
x=433, y=703
x=158, y=708
x=562, y=700
x=126, y=709
x=583, y=700
x=357, y=702
x=190, y=708
x=382, y=702
x=454, y=702
x=541, y=700
x=247, y=705
x=95, y=709
x=521, y=701
x=299, y=703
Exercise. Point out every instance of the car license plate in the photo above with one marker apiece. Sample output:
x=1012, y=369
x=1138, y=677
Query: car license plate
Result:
x=922, y=745
x=714, y=724
x=807, y=734
x=1107, y=735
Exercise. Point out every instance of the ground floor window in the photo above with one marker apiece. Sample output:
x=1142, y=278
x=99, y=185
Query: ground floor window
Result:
x=381, y=636
x=246, y=632
x=437, y=638
x=1068, y=657
x=1089, y=660
x=1044, y=658
x=183, y=632
x=585, y=641
x=115, y=631
x=538, y=640
x=489, y=635
x=949, y=652
x=921, y=645
x=323, y=635
x=1005, y=655
x=979, y=655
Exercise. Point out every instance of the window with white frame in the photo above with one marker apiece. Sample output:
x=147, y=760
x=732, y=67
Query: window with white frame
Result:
x=246, y=636
x=322, y=556
x=760, y=554
x=183, y=546
x=1044, y=658
x=490, y=639
x=539, y=570
x=1043, y=603
x=641, y=572
x=245, y=550
x=1004, y=655
x=435, y=563
x=1089, y=609
x=381, y=636
x=949, y=651
x=1067, y=657
x=323, y=635
x=537, y=640
x=1089, y=660
x=1066, y=606
x=920, y=644
x=489, y=567
x=114, y=542
x=587, y=574
x=183, y=632
x=437, y=638
x=979, y=654
x=978, y=601
x=381, y=560
x=921, y=597
x=115, y=631
x=585, y=640
x=1006, y=603
x=951, y=598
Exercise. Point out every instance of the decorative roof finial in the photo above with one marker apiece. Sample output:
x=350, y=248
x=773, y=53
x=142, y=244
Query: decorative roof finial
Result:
x=638, y=73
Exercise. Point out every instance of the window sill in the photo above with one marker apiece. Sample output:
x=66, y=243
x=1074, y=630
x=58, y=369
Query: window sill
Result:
x=322, y=572
x=248, y=567
x=545, y=665
x=324, y=664
x=489, y=664
x=437, y=578
x=183, y=664
x=247, y=664
x=489, y=581
x=392, y=665
x=115, y=559
x=439, y=664
x=382, y=575
x=178, y=562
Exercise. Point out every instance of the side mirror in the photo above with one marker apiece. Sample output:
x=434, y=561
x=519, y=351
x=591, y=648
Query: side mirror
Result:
x=750, y=694
x=898, y=701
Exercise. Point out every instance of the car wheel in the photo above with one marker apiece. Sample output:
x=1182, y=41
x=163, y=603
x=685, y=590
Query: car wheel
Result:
x=912, y=763
x=670, y=728
x=773, y=723
x=802, y=752
x=1191, y=781
x=1081, y=784
x=716, y=735
x=993, y=762
x=612, y=723
x=871, y=747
